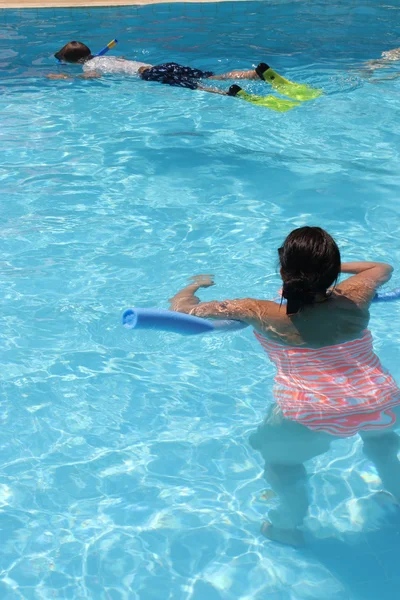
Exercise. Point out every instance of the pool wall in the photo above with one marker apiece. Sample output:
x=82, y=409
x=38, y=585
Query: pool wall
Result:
x=85, y=3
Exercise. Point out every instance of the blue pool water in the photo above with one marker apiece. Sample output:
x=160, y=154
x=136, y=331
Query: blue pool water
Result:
x=126, y=471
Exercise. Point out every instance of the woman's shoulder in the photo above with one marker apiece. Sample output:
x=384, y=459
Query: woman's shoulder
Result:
x=353, y=295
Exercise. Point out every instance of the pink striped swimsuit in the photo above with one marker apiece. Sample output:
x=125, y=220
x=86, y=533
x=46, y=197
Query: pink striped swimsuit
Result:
x=339, y=389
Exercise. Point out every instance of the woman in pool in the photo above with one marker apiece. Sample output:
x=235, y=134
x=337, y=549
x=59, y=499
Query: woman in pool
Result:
x=329, y=383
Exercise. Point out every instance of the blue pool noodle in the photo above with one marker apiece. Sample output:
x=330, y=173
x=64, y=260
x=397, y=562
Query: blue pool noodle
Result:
x=387, y=296
x=176, y=322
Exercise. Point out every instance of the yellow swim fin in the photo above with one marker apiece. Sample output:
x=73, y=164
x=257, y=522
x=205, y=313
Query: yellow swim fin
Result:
x=272, y=102
x=296, y=91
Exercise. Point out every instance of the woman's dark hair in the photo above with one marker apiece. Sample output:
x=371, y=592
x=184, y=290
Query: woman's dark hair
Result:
x=73, y=52
x=310, y=264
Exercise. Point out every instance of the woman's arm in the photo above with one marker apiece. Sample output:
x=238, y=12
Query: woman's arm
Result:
x=253, y=312
x=366, y=278
x=376, y=270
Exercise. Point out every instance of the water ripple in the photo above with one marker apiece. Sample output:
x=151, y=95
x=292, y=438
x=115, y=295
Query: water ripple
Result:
x=126, y=470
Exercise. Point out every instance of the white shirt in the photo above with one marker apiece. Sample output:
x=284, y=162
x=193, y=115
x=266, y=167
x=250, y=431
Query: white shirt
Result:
x=113, y=64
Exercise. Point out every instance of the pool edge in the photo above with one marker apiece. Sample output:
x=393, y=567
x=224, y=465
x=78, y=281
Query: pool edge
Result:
x=22, y=4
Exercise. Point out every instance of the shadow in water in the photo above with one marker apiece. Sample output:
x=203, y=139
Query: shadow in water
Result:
x=368, y=564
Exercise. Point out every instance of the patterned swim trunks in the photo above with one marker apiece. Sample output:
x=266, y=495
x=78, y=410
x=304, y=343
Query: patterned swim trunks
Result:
x=174, y=74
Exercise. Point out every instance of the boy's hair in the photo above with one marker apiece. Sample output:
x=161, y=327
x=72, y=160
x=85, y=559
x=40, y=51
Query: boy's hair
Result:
x=73, y=52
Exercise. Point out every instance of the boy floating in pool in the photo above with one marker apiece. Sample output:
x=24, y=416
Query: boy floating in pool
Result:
x=181, y=76
x=169, y=73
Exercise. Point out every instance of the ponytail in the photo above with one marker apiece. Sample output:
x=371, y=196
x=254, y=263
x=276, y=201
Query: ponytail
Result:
x=298, y=292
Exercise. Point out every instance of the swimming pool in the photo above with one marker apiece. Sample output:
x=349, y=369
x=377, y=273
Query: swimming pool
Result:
x=125, y=465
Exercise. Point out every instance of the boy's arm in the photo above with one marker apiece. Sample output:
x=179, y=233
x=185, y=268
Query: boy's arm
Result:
x=58, y=76
x=87, y=75
x=90, y=75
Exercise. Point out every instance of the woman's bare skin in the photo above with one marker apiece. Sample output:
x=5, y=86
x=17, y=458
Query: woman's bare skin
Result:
x=336, y=319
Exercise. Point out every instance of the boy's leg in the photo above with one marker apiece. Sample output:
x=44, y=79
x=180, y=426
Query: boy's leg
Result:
x=187, y=77
x=250, y=74
x=175, y=75
x=204, y=88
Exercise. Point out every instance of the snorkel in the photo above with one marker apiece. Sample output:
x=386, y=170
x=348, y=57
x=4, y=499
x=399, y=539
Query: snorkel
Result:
x=110, y=45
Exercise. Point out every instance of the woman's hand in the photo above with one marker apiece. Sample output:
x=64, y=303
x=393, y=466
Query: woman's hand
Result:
x=203, y=281
x=185, y=299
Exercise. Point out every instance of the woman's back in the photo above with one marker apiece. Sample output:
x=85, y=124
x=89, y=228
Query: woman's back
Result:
x=334, y=320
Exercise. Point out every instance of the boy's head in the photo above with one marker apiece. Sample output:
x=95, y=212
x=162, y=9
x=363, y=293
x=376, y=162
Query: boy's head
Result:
x=73, y=52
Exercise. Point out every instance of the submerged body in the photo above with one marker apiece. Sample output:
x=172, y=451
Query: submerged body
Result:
x=341, y=389
x=107, y=65
x=329, y=383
